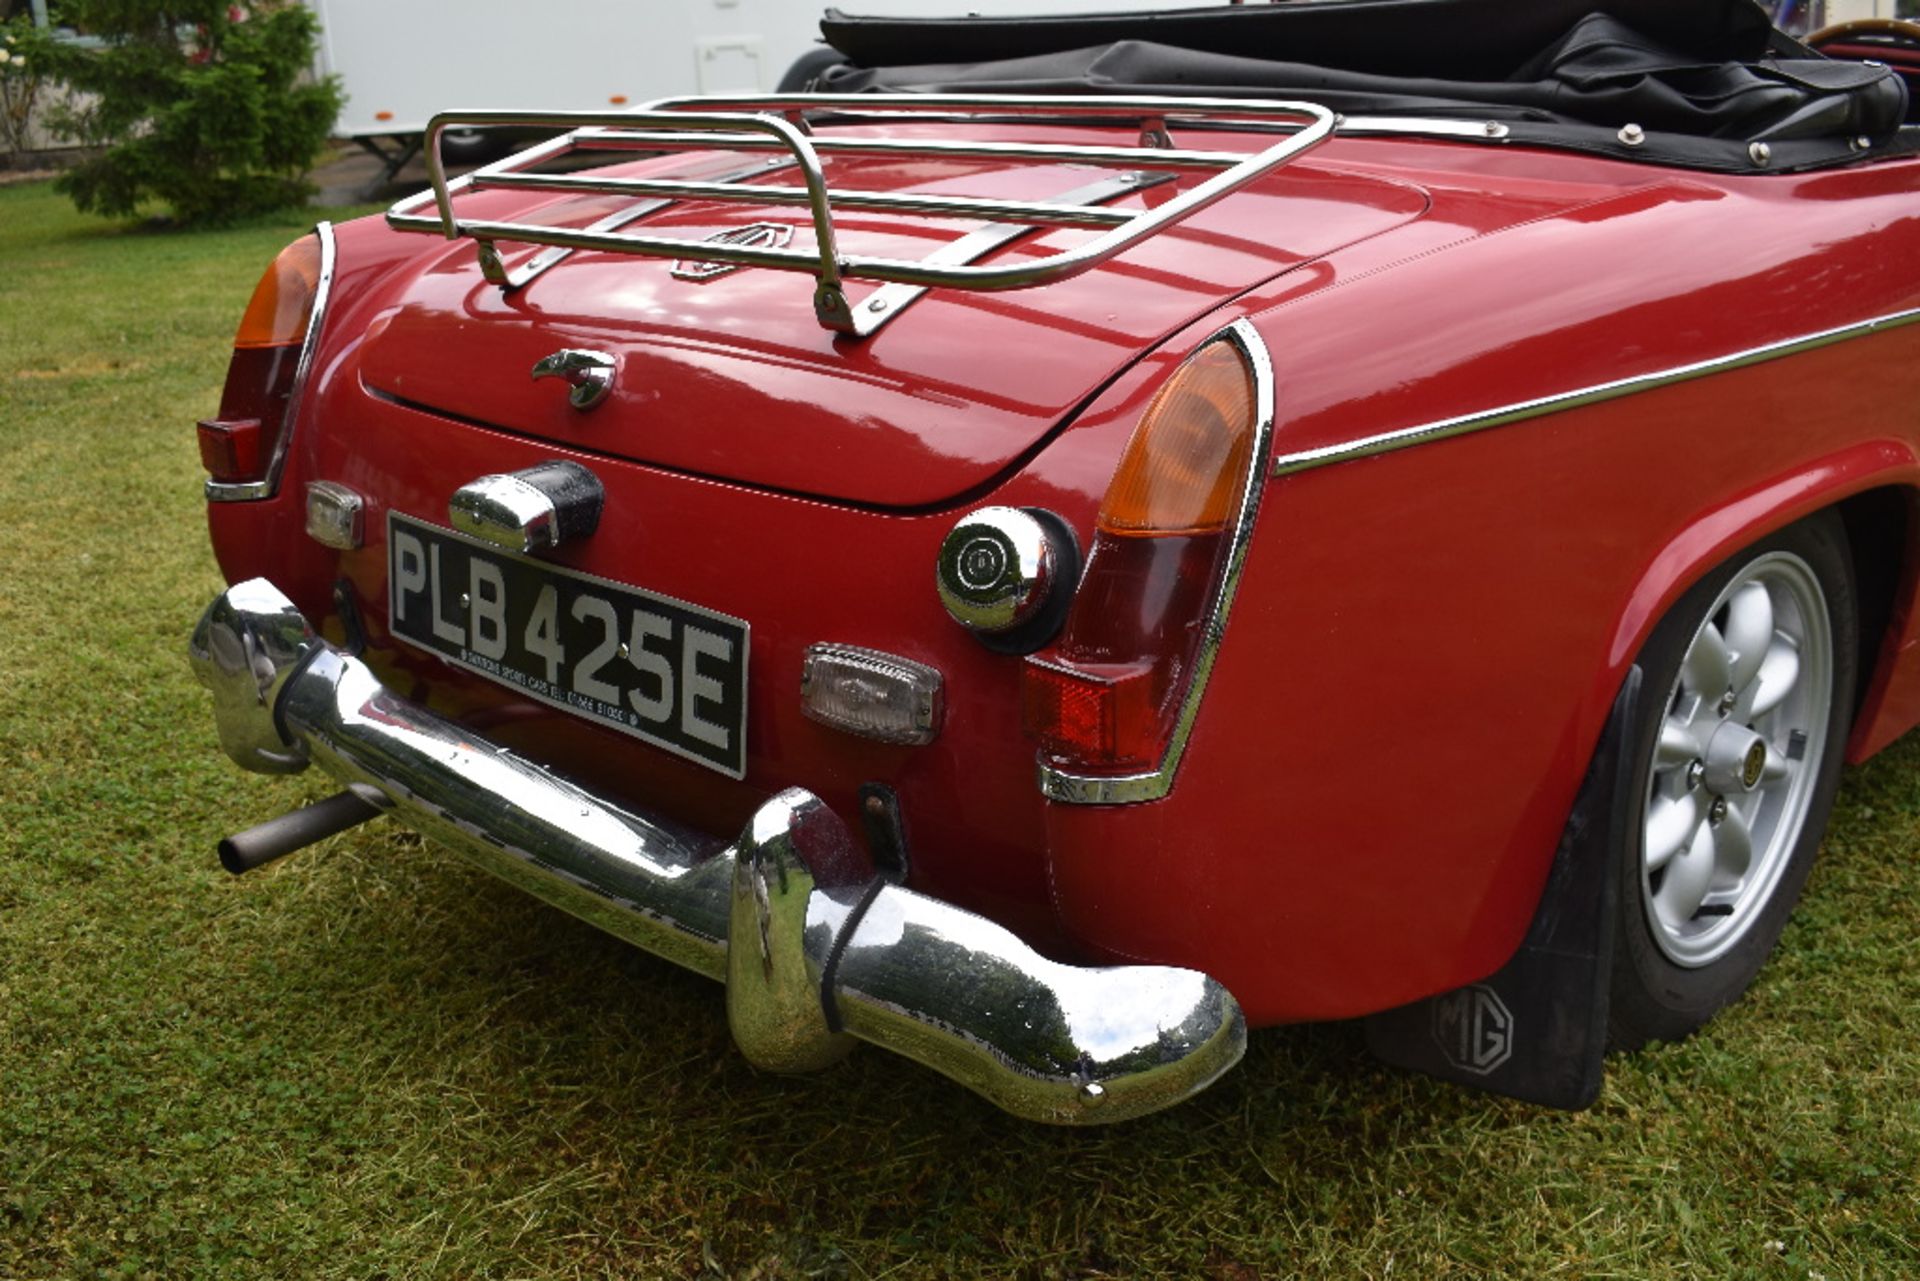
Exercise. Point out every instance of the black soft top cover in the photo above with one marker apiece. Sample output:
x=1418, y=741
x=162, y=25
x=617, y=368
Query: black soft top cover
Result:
x=1704, y=80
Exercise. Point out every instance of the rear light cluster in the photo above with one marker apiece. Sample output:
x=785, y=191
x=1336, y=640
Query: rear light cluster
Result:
x=241, y=448
x=1107, y=701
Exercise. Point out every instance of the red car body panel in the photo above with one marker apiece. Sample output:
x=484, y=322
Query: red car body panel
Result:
x=905, y=419
x=1425, y=644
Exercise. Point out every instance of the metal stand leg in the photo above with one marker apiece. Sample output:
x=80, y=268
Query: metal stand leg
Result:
x=393, y=158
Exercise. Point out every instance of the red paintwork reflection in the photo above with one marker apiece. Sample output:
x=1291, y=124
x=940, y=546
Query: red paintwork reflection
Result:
x=734, y=377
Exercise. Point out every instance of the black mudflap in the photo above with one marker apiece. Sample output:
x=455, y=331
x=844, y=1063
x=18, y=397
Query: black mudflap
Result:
x=1537, y=1030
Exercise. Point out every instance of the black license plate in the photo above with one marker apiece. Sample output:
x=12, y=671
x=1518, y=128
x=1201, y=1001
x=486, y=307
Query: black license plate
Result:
x=659, y=669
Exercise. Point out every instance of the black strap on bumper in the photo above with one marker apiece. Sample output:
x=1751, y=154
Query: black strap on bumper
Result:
x=830, y=972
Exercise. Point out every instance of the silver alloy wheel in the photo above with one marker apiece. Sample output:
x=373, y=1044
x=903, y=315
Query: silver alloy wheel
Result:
x=1742, y=737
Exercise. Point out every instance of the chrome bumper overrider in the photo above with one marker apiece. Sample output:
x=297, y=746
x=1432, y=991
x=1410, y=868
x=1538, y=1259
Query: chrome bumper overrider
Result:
x=814, y=949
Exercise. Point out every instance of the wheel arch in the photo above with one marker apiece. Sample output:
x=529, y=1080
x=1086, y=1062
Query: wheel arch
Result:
x=1883, y=535
x=1875, y=486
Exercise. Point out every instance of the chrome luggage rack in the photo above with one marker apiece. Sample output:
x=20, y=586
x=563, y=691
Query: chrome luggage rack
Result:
x=778, y=125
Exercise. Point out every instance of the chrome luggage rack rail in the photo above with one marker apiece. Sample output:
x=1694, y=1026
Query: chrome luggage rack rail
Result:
x=778, y=125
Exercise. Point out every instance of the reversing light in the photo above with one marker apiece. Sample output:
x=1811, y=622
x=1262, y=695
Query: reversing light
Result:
x=335, y=515
x=1106, y=702
x=875, y=695
x=241, y=445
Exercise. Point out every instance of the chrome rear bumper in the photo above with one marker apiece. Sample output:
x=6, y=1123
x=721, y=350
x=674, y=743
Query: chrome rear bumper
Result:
x=815, y=950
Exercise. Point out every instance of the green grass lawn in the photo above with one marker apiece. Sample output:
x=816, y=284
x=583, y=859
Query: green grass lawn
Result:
x=371, y=1061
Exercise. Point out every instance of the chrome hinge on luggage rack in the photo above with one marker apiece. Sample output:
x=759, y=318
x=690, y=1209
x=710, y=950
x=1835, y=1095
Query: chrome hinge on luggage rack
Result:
x=754, y=124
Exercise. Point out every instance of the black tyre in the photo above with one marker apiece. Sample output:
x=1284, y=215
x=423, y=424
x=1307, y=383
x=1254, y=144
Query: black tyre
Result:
x=479, y=146
x=1745, y=707
x=807, y=69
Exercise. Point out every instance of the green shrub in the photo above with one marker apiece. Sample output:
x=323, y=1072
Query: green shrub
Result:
x=21, y=72
x=205, y=106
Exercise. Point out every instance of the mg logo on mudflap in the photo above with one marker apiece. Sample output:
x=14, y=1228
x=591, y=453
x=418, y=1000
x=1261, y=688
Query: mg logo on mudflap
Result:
x=1474, y=1029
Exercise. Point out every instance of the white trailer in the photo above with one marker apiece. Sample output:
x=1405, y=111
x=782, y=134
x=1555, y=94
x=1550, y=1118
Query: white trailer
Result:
x=401, y=61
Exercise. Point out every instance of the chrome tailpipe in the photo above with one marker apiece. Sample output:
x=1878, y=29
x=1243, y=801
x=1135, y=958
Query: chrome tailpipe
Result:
x=815, y=949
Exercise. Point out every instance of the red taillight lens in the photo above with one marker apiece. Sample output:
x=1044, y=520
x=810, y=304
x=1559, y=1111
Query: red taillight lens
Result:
x=230, y=451
x=1107, y=697
x=238, y=446
x=1093, y=711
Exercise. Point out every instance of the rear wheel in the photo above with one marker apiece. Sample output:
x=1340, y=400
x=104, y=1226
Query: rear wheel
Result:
x=1744, y=713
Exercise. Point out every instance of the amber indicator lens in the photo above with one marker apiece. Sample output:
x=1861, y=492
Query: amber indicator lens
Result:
x=1186, y=465
x=282, y=302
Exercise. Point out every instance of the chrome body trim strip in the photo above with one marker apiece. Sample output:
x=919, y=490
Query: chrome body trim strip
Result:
x=226, y=491
x=814, y=950
x=1305, y=125
x=1130, y=789
x=222, y=492
x=1425, y=127
x=1465, y=424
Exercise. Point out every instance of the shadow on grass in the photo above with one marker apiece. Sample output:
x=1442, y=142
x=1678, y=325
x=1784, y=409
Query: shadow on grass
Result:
x=585, y=1046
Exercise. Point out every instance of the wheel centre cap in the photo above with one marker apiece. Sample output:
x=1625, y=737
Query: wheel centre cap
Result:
x=1736, y=759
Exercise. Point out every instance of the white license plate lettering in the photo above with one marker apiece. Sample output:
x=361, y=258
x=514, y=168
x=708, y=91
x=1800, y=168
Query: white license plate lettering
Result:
x=487, y=615
x=700, y=693
x=543, y=633
x=651, y=695
x=586, y=673
x=659, y=669
x=409, y=571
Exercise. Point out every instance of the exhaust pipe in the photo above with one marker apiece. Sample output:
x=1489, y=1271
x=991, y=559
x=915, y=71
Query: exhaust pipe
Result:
x=816, y=950
x=308, y=825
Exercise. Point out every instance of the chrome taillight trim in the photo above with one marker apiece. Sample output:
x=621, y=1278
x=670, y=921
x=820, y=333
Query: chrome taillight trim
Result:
x=249, y=491
x=1057, y=784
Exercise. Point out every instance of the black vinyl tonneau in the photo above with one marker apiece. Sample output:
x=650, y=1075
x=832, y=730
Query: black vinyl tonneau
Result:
x=1704, y=80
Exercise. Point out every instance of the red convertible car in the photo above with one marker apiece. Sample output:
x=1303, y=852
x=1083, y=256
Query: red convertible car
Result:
x=1079, y=535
